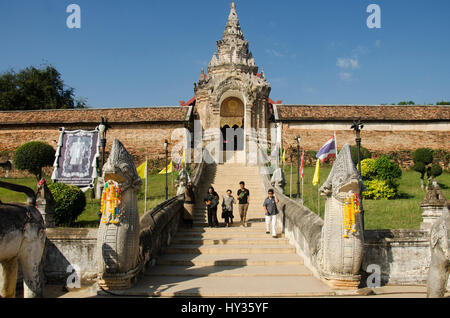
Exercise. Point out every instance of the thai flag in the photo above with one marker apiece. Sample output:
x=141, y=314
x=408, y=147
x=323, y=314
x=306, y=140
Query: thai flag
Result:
x=328, y=150
x=302, y=165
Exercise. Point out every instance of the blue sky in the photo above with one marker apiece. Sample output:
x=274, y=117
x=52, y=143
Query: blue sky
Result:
x=148, y=53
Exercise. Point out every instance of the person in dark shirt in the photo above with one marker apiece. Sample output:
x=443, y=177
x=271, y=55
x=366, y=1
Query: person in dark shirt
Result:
x=243, y=196
x=271, y=211
x=212, y=201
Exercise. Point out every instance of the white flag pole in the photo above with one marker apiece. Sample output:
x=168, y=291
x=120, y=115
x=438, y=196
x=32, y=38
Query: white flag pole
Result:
x=146, y=178
x=303, y=173
x=290, y=186
x=335, y=143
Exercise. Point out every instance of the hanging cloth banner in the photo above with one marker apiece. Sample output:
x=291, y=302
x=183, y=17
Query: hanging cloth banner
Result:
x=76, y=157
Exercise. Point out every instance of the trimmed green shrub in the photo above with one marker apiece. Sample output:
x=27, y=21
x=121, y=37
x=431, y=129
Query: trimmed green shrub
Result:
x=70, y=202
x=387, y=170
x=423, y=158
x=424, y=155
x=33, y=156
x=368, y=171
x=365, y=154
x=435, y=171
x=379, y=190
x=380, y=178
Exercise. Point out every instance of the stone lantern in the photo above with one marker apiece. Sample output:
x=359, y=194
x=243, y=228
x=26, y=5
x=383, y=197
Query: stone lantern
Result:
x=433, y=206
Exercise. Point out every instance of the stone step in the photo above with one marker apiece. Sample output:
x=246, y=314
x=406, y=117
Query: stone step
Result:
x=225, y=235
x=235, y=225
x=229, y=241
x=229, y=259
x=222, y=230
x=230, y=271
x=229, y=249
x=206, y=286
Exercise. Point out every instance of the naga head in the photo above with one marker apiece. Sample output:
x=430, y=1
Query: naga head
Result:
x=343, y=177
x=120, y=167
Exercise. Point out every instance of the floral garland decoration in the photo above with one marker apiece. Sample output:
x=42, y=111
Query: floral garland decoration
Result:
x=351, y=208
x=110, y=203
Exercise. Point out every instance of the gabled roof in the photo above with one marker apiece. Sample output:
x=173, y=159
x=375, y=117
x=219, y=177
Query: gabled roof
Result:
x=94, y=115
x=365, y=112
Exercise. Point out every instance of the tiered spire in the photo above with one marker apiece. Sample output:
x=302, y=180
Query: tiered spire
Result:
x=233, y=28
x=232, y=49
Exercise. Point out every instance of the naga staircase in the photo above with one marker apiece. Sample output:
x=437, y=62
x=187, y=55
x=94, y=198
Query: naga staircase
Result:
x=229, y=262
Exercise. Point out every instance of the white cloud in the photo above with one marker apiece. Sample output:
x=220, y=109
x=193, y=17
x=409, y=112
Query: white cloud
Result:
x=345, y=76
x=273, y=52
x=344, y=63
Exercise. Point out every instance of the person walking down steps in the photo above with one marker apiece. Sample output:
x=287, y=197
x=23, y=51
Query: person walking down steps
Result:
x=212, y=201
x=271, y=211
x=227, y=208
x=243, y=198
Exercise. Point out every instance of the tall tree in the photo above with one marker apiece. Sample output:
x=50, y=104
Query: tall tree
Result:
x=36, y=88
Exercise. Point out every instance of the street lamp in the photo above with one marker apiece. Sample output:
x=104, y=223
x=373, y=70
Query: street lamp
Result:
x=166, y=146
x=298, y=139
x=103, y=128
x=357, y=126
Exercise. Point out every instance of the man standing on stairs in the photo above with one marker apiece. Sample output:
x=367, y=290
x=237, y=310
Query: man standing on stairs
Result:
x=243, y=198
x=270, y=207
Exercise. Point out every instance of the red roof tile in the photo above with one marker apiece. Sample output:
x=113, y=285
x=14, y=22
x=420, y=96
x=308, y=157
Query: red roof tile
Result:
x=366, y=113
x=93, y=116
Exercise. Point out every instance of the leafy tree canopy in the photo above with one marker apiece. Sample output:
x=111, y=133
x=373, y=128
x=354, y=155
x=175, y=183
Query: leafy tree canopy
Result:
x=406, y=103
x=36, y=88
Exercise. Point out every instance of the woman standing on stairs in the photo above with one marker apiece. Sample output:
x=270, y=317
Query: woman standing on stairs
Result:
x=212, y=201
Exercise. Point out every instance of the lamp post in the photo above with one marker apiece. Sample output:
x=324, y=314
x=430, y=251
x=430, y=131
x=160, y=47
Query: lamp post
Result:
x=103, y=128
x=357, y=126
x=166, y=146
x=298, y=139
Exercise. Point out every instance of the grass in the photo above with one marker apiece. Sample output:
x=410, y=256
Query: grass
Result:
x=89, y=217
x=401, y=213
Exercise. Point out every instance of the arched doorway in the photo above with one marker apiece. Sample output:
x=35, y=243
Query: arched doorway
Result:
x=232, y=127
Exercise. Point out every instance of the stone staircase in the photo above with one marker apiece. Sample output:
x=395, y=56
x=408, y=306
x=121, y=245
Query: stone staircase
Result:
x=230, y=262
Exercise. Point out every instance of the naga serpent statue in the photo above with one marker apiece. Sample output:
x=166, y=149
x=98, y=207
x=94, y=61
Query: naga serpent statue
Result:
x=440, y=256
x=118, y=234
x=342, y=238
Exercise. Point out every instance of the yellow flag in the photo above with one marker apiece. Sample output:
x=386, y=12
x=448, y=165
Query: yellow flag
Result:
x=169, y=169
x=142, y=170
x=283, y=159
x=317, y=173
x=183, y=160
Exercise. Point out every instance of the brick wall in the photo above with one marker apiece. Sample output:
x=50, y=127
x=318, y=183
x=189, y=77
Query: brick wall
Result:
x=377, y=141
x=140, y=140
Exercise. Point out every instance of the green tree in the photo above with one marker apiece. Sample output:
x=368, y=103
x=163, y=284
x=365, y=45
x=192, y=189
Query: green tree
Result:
x=365, y=154
x=422, y=157
x=410, y=102
x=70, y=202
x=33, y=88
x=443, y=103
x=33, y=156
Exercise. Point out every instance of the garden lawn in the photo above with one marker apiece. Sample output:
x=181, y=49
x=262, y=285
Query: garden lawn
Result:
x=401, y=213
x=89, y=217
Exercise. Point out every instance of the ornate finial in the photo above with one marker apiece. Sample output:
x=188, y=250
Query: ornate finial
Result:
x=233, y=5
